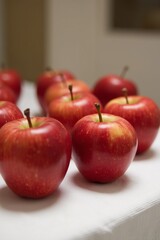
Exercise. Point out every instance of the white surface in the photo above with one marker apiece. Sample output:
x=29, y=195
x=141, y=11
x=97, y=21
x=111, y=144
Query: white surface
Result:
x=126, y=209
x=28, y=98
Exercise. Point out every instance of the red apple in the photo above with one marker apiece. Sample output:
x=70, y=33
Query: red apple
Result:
x=110, y=86
x=8, y=112
x=49, y=77
x=142, y=112
x=69, y=108
x=104, y=146
x=61, y=88
x=6, y=93
x=34, y=155
x=12, y=79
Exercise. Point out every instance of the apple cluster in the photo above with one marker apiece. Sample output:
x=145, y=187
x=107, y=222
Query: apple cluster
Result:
x=72, y=102
x=102, y=128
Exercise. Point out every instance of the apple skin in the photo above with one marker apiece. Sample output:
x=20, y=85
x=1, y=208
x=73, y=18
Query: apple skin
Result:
x=110, y=86
x=60, y=89
x=6, y=93
x=103, y=151
x=68, y=111
x=143, y=113
x=12, y=79
x=8, y=112
x=49, y=77
x=34, y=161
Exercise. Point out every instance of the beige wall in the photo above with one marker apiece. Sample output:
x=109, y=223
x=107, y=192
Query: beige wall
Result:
x=71, y=36
x=25, y=36
x=79, y=38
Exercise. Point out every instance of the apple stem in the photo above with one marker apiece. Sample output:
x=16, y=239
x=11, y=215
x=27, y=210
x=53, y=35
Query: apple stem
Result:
x=27, y=114
x=98, y=107
x=125, y=93
x=123, y=73
x=70, y=87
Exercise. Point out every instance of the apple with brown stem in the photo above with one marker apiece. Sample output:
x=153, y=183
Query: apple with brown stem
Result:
x=104, y=146
x=69, y=108
x=142, y=112
x=61, y=88
x=110, y=86
x=34, y=155
x=49, y=77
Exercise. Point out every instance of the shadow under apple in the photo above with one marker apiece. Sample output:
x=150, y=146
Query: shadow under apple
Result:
x=13, y=202
x=121, y=184
x=150, y=154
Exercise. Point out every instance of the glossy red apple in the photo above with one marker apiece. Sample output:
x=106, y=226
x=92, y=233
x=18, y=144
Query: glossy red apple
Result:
x=104, y=146
x=49, y=77
x=61, y=88
x=34, y=155
x=142, y=112
x=110, y=86
x=6, y=93
x=69, y=108
x=9, y=112
x=12, y=79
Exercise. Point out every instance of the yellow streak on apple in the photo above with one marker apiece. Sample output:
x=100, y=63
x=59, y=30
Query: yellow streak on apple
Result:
x=118, y=132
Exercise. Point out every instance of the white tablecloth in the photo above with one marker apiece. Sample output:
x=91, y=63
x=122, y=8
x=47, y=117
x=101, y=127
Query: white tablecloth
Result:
x=128, y=209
